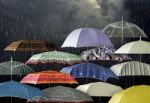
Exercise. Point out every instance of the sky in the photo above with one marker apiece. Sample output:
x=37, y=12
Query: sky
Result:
x=53, y=20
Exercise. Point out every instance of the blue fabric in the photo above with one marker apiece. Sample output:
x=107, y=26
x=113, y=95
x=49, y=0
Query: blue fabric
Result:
x=89, y=70
x=16, y=89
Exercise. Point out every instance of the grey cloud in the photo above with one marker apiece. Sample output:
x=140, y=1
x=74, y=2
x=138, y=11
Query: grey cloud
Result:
x=52, y=20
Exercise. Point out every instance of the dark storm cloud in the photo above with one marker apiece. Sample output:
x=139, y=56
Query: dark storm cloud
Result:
x=139, y=13
x=52, y=20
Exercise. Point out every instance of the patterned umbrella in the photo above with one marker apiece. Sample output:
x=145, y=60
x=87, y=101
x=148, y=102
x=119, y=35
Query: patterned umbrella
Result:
x=63, y=94
x=54, y=57
x=18, y=68
x=89, y=70
x=30, y=45
x=87, y=37
x=103, y=54
x=46, y=77
x=15, y=89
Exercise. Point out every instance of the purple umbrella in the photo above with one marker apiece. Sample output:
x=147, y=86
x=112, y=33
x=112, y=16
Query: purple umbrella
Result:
x=87, y=37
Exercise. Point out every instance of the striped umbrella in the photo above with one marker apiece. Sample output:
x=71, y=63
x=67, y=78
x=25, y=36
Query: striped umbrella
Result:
x=46, y=77
x=30, y=45
x=54, y=57
x=131, y=68
x=63, y=94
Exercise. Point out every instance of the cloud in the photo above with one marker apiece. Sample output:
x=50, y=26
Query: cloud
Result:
x=53, y=20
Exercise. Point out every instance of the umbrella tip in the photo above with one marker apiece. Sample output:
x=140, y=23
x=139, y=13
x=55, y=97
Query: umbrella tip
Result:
x=122, y=19
x=140, y=38
x=11, y=59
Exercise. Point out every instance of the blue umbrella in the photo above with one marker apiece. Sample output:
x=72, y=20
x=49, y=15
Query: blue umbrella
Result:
x=16, y=89
x=89, y=70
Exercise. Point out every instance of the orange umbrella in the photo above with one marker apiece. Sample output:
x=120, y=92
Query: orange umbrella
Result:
x=49, y=76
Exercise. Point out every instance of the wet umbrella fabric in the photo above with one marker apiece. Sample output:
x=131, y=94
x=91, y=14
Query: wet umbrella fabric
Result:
x=18, y=68
x=134, y=94
x=103, y=54
x=131, y=68
x=87, y=37
x=47, y=77
x=15, y=89
x=30, y=45
x=135, y=47
x=99, y=89
x=54, y=57
x=124, y=29
x=63, y=94
x=89, y=70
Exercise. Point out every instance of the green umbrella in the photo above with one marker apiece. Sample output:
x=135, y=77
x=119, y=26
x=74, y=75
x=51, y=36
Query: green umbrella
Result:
x=14, y=68
x=63, y=94
x=54, y=57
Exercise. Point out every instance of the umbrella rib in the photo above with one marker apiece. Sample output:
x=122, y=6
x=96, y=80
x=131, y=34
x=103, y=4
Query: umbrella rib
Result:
x=118, y=26
x=112, y=32
x=131, y=30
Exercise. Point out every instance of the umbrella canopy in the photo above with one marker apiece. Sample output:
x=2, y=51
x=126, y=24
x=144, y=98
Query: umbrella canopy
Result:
x=135, y=94
x=136, y=47
x=99, y=89
x=46, y=77
x=54, y=57
x=30, y=45
x=131, y=68
x=89, y=70
x=18, y=68
x=103, y=54
x=66, y=94
x=87, y=37
x=15, y=89
x=124, y=29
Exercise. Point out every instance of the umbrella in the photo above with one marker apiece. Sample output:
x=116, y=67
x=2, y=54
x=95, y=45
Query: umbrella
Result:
x=30, y=45
x=15, y=89
x=18, y=68
x=89, y=70
x=124, y=29
x=87, y=37
x=103, y=54
x=131, y=68
x=63, y=94
x=54, y=57
x=46, y=77
x=135, y=47
x=99, y=89
x=134, y=94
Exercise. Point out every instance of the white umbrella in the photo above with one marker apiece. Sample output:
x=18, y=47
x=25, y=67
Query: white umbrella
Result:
x=135, y=47
x=87, y=37
x=99, y=89
x=131, y=68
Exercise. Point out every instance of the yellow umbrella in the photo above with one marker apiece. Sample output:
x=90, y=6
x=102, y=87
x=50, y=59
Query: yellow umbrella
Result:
x=135, y=94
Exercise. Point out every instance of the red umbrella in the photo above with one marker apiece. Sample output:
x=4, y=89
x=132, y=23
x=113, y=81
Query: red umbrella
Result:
x=49, y=76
